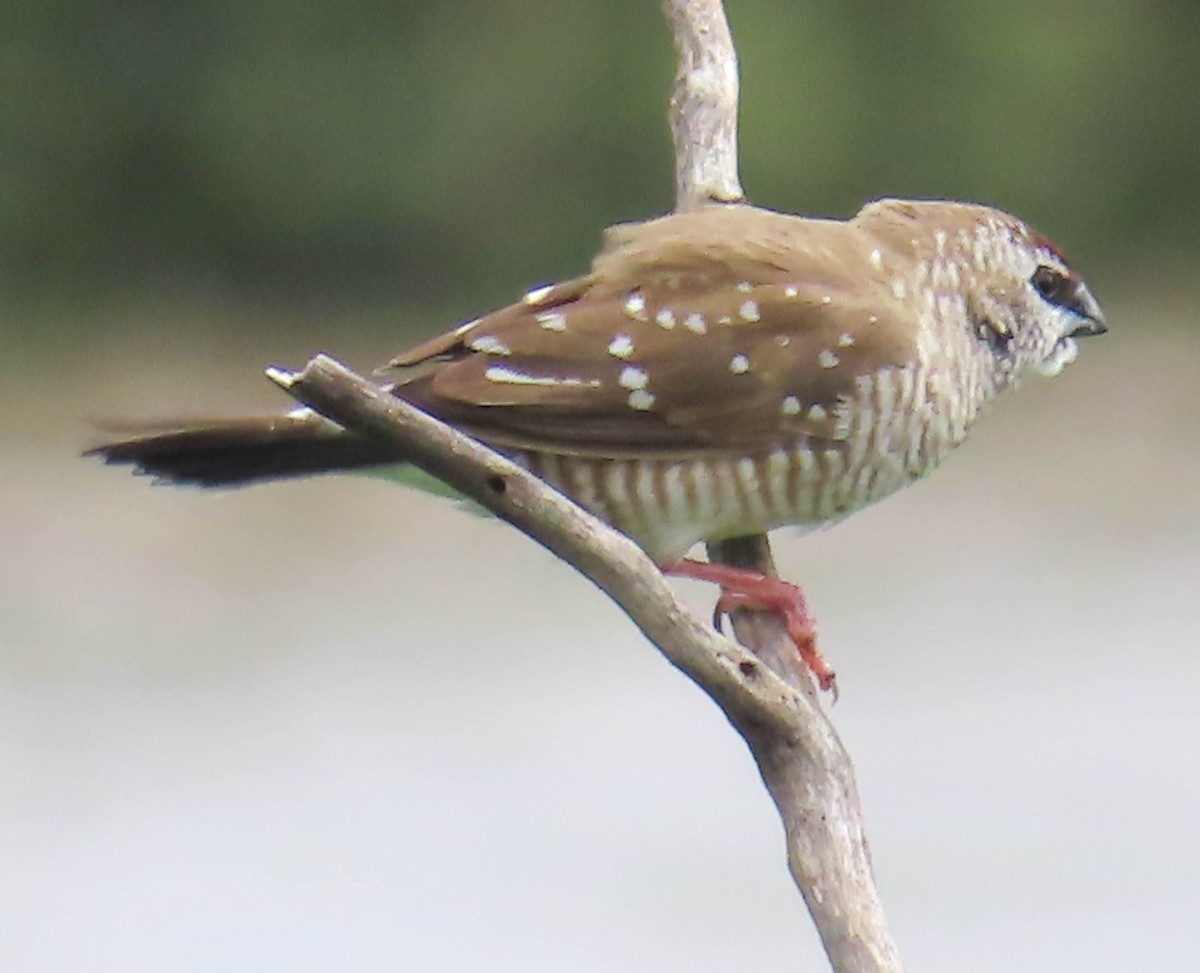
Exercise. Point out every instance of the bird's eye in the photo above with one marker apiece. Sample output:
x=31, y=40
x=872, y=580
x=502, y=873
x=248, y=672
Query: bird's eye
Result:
x=1058, y=287
x=1064, y=289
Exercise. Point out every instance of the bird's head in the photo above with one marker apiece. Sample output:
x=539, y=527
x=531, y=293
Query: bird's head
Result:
x=1024, y=304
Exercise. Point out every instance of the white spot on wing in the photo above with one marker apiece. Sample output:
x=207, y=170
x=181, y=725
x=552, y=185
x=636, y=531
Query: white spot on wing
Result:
x=635, y=306
x=749, y=311
x=845, y=339
x=504, y=375
x=552, y=320
x=695, y=323
x=790, y=406
x=827, y=359
x=633, y=378
x=745, y=286
x=621, y=346
x=489, y=345
x=791, y=290
x=817, y=414
x=899, y=289
x=876, y=258
x=640, y=399
x=739, y=364
x=538, y=294
x=665, y=318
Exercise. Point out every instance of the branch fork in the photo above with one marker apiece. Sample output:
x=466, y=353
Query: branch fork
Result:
x=768, y=697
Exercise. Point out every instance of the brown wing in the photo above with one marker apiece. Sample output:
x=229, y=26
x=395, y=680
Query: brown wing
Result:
x=670, y=348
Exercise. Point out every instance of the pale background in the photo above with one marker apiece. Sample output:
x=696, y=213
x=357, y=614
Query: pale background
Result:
x=337, y=726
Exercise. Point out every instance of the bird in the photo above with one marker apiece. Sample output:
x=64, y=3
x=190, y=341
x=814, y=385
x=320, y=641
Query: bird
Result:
x=719, y=372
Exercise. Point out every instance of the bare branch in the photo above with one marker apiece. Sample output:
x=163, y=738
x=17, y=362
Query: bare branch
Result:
x=806, y=769
x=768, y=698
x=766, y=694
x=751, y=695
x=810, y=777
x=704, y=104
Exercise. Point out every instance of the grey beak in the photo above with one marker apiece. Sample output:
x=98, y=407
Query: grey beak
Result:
x=1088, y=308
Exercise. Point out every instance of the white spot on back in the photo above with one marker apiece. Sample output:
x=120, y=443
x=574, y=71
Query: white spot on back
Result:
x=877, y=258
x=827, y=299
x=489, y=344
x=621, y=346
x=538, y=294
x=749, y=311
x=873, y=319
x=899, y=289
x=641, y=400
x=791, y=290
x=633, y=377
x=739, y=364
x=695, y=323
x=827, y=359
x=665, y=318
x=745, y=286
x=790, y=406
x=725, y=319
x=552, y=320
x=845, y=339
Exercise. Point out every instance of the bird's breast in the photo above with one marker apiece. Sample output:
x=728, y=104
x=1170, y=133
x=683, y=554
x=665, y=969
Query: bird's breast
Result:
x=896, y=428
x=667, y=505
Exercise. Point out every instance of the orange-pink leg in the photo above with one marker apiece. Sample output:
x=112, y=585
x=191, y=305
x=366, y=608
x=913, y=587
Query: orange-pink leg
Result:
x=743, y=588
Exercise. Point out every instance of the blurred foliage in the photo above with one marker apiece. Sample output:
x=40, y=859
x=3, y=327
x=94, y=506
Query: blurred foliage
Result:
x=373, y=153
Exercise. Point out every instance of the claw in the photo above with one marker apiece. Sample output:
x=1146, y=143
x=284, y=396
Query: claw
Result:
x=743, y=589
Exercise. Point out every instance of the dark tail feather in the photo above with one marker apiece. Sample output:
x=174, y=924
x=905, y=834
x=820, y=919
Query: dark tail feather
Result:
x=244, y=451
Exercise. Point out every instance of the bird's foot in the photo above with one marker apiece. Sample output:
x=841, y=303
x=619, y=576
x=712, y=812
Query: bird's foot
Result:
x=745, y=589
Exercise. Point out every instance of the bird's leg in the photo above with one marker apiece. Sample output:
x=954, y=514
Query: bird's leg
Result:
x=742, y=588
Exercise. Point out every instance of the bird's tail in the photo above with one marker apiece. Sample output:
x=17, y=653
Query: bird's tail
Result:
x=238, y=452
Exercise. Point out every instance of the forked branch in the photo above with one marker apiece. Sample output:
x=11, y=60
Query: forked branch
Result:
x=806, y=768
x=704, y=104
x=766, y=695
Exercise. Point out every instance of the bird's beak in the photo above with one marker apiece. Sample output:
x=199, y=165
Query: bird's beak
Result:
x=1088, y=308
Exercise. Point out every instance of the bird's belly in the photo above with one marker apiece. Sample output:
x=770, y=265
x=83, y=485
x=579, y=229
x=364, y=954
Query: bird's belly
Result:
x=667, y=505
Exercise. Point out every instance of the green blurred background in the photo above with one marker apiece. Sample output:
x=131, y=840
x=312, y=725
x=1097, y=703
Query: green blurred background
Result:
x=439, y=155
x=338, y=725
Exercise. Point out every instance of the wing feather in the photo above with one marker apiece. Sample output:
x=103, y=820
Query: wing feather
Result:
x=672, y=346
